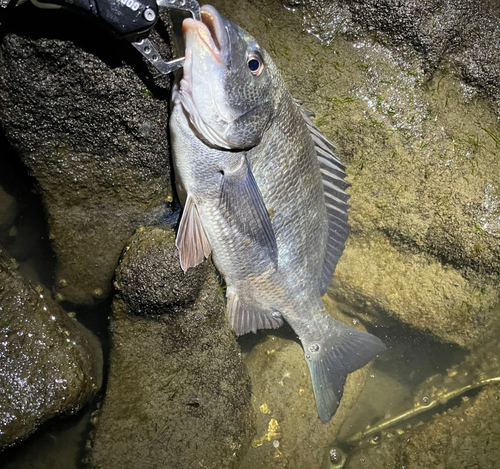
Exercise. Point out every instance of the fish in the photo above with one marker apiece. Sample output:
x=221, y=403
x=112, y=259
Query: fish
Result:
x=263, y=192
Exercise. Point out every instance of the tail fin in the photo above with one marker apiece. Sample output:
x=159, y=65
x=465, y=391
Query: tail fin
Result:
x=339, y=351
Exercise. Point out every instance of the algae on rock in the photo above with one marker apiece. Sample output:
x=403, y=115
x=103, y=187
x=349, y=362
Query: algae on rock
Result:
x=460, y=33
x=384, y=284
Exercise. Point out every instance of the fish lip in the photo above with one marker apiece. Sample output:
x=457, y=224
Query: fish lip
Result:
x=204, y=35
x=211, y=31
x=213, y=20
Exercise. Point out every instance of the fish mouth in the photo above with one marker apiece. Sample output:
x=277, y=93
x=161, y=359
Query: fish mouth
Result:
x=211, y=31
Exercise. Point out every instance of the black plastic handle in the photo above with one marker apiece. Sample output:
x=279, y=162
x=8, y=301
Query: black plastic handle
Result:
x=127, y=18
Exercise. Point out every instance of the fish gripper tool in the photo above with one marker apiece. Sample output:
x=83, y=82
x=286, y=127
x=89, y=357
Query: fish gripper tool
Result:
x=127, y=19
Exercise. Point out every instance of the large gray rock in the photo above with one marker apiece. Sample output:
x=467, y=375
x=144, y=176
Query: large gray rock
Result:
x=50, y=364
x=89, y=121
x=178, y=393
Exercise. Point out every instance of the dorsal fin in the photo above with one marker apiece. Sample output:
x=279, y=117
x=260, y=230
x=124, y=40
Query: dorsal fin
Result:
x=334, y=185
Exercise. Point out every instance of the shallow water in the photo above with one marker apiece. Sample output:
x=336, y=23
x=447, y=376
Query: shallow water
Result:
x=418, y=148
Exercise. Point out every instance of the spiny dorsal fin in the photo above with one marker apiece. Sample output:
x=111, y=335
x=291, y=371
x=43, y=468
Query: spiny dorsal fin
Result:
x=334, y=185
x=191, y=240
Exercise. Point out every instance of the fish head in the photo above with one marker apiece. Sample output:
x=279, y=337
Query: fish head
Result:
x=229, y=84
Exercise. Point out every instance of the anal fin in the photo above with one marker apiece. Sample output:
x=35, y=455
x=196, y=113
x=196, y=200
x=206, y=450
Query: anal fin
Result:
x=191, y=240
x=246, y=319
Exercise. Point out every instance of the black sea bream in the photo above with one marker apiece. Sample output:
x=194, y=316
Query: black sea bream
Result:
x=263, y=191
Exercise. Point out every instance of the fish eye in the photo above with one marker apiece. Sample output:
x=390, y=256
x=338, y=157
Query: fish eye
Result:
x=255, y=63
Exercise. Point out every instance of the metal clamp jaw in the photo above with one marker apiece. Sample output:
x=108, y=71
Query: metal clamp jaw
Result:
x=146, y=48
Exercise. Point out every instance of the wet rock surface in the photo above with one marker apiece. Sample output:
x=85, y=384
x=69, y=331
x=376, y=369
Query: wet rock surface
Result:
x=460, y=33
x=50, y=364
x=178, y=393
x=89, y=121
x=373, y=285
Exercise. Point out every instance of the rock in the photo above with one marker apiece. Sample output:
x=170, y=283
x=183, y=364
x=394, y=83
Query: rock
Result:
x=289, y=432
x=51, y=364
x=457, y=32
x=178, y=393
x=8, y=211
x=381, y=284
x=88, y=120
x=152, y=281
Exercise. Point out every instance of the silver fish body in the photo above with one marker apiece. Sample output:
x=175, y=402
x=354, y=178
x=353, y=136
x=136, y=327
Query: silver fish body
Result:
x=264, y=193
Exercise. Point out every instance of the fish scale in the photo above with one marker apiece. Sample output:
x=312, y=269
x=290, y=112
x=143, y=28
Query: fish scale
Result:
x=255, y=196
x=295, y=201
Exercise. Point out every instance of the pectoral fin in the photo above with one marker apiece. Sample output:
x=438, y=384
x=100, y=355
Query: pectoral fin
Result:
x=241, y=200
x=191, y=240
